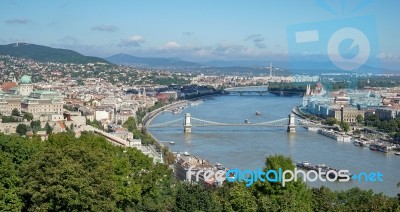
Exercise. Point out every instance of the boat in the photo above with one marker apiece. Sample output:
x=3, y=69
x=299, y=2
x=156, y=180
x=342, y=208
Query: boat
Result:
x=383, y=149
x=246, y=121
x=305, y=165
x=176, y=111
x=186, y=154
x=374, y=147
x=172, y=143
x=360, y=143
x=324, y=169
x=332, y=134
x=258, y=113
x=343, y=174
x=397, y=153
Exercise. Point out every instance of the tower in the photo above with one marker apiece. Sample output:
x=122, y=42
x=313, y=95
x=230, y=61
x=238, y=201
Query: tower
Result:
x=187, y=125
x=291, y=125
x=25, y=85
x=270, y=70
x=144, y=95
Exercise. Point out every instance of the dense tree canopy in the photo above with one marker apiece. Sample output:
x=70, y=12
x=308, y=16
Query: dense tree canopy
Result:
x=65, y=173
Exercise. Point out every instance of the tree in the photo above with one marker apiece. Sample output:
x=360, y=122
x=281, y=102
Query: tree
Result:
x=398, y=195
x=15, y=112
x=273, y=196
x=28, y=116
x=360, y=119
x=22, y=129
x=9, y=185
x=345, y=126
x=36, y=126
x=193, y=198
x=331, y=121
x=48, y=128
x=130, y=124
x=71, y=127
x=119, y=122
x=241, y=198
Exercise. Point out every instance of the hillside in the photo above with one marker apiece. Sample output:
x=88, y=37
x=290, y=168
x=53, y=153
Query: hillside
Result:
x=47, y=54
x=158, y=62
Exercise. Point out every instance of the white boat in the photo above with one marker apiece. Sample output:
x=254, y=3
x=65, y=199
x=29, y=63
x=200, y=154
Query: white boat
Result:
x=172, y=143
x=332, y=134
x=246, y=121
x=186, y=154
x=397, y=153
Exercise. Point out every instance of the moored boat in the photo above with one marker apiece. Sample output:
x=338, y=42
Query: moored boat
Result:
x=374, y=147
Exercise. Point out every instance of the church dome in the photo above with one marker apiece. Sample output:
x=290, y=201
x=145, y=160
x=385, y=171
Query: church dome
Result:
x=25, y=80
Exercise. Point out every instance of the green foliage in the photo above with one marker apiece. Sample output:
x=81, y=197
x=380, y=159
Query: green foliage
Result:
x=345, y=126
x=70, y=107
x=66, y=173
x=48, y=128
x=287, y=86
x=80, y=174
x=379, y=81
x=8, y=119
x=95, y=124
x=47, y=54
x=36, y=126
x=130, y=124
x=22, y=129
x=360, y=119
x=294, y=196
x=391, y=126
x=9, y=185
x=331, y=121
x=194, y=198
x=15, y=112
x=28, y=116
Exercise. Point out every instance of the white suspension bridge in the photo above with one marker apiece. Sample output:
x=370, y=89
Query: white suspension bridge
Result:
x=188, y=122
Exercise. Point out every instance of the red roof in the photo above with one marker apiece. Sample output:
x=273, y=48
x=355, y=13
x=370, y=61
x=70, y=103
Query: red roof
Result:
x=62, y=125
x=7, y=85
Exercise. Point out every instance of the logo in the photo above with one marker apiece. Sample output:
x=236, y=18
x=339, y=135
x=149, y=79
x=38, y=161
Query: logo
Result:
x=348, y=44
x=281, y=176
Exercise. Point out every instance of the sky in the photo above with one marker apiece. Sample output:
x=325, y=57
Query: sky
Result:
x=193, y=30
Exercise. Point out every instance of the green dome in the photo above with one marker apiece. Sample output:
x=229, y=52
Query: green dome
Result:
x=25, y=80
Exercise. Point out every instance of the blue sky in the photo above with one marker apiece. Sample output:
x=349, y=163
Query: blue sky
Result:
x=196, y=30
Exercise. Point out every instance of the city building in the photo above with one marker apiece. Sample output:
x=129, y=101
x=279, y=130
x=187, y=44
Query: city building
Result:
x=42, y=102
x=349, y=114
x=387, y=113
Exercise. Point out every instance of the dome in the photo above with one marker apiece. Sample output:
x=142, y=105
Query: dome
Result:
x=25, y=80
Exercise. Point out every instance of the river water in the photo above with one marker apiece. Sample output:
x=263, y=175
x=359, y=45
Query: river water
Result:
x=247, y=147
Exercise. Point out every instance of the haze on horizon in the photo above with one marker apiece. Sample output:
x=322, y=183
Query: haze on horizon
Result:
x=197, y=31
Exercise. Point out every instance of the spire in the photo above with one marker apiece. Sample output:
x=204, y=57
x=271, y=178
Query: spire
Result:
x=270, y=70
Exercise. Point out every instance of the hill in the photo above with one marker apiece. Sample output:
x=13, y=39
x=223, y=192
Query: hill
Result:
x=155, y=62
x=47, y=54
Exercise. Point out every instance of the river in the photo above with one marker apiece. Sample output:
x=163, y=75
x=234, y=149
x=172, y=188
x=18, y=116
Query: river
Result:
x=247, y=147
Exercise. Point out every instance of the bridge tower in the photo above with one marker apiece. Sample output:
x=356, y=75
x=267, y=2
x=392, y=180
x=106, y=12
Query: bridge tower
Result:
x=187, y=126
x=291, y=125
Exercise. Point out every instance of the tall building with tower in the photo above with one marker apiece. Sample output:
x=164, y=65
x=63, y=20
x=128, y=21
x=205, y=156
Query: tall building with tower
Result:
x=25, y=85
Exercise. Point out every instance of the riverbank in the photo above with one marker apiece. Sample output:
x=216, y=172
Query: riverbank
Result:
x=297, y=112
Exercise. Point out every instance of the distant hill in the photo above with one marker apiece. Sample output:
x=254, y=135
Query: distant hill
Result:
x=156, y=62
x=47, y=54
